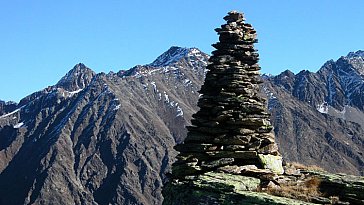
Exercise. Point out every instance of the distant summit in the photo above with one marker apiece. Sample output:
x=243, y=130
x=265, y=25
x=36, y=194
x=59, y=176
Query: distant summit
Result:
x=173, y=55
x=359, y=53
x=77, y=78
x=170, y=61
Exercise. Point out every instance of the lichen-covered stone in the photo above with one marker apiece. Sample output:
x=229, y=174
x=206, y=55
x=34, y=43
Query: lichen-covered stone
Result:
x=221, y=188
x=271, y=162
x=232, y=183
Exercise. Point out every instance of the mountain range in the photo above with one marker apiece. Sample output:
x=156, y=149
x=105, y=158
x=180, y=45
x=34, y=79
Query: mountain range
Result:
x=319, y=117
x=108, y=138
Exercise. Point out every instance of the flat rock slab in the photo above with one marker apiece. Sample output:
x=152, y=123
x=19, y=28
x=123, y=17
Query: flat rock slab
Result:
x=229, y=182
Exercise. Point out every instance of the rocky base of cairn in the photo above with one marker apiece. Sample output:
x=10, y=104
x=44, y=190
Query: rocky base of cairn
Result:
x=249, y=185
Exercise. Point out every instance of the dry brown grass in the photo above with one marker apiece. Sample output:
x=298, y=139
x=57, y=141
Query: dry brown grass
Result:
x=303, y=190
x=306, y=167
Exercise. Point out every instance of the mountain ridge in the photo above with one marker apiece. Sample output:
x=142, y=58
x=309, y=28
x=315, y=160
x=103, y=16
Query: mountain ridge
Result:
x=125, y=126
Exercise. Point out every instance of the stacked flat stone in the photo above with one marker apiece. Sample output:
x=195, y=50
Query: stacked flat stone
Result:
x=232, y=127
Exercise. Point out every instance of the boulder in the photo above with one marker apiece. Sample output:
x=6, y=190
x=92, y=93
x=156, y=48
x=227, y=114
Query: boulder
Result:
x=271, y=162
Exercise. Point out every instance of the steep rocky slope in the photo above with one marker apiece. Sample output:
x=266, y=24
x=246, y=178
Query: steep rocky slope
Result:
x=7, y=107
x=99, y=138
x=318, y=117
x=108, y=138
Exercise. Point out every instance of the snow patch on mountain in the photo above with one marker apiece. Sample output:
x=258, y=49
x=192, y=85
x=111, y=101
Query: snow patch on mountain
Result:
x=154, y=86
x=75, y=92
x=19, y=125
x=193, y=56
x=272, y=100
x=166, y=97
x=11, y=113
x=348, y=113
x=117, y=107
x=174, y=54
x=323, y=108
x=179, y=111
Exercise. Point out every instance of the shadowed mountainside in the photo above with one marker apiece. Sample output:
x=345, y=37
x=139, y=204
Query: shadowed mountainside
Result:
x=108, y=138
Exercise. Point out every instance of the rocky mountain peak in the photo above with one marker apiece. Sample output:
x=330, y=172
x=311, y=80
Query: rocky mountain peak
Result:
x=6, y=107
x=286, y=79
x=286, y=74
x=172, y=60
x=173, y=55
x=77, y=78
x=328, y=63
x=356, y=59
x=347, y=68
x=359, y=53
x=351, y=64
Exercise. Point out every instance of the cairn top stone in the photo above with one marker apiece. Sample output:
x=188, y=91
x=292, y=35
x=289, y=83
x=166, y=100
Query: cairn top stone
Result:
x=234, y=16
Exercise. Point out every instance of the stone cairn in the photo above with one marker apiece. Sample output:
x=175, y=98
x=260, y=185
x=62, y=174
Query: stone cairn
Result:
x=229, y=155
x=232, y=127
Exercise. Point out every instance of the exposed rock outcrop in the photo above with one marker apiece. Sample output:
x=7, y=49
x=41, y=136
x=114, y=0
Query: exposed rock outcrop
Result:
x=298, y=187
x=77, y=78
x=7, y=107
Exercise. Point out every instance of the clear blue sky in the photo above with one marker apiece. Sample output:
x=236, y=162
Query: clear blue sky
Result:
x=41, y=40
